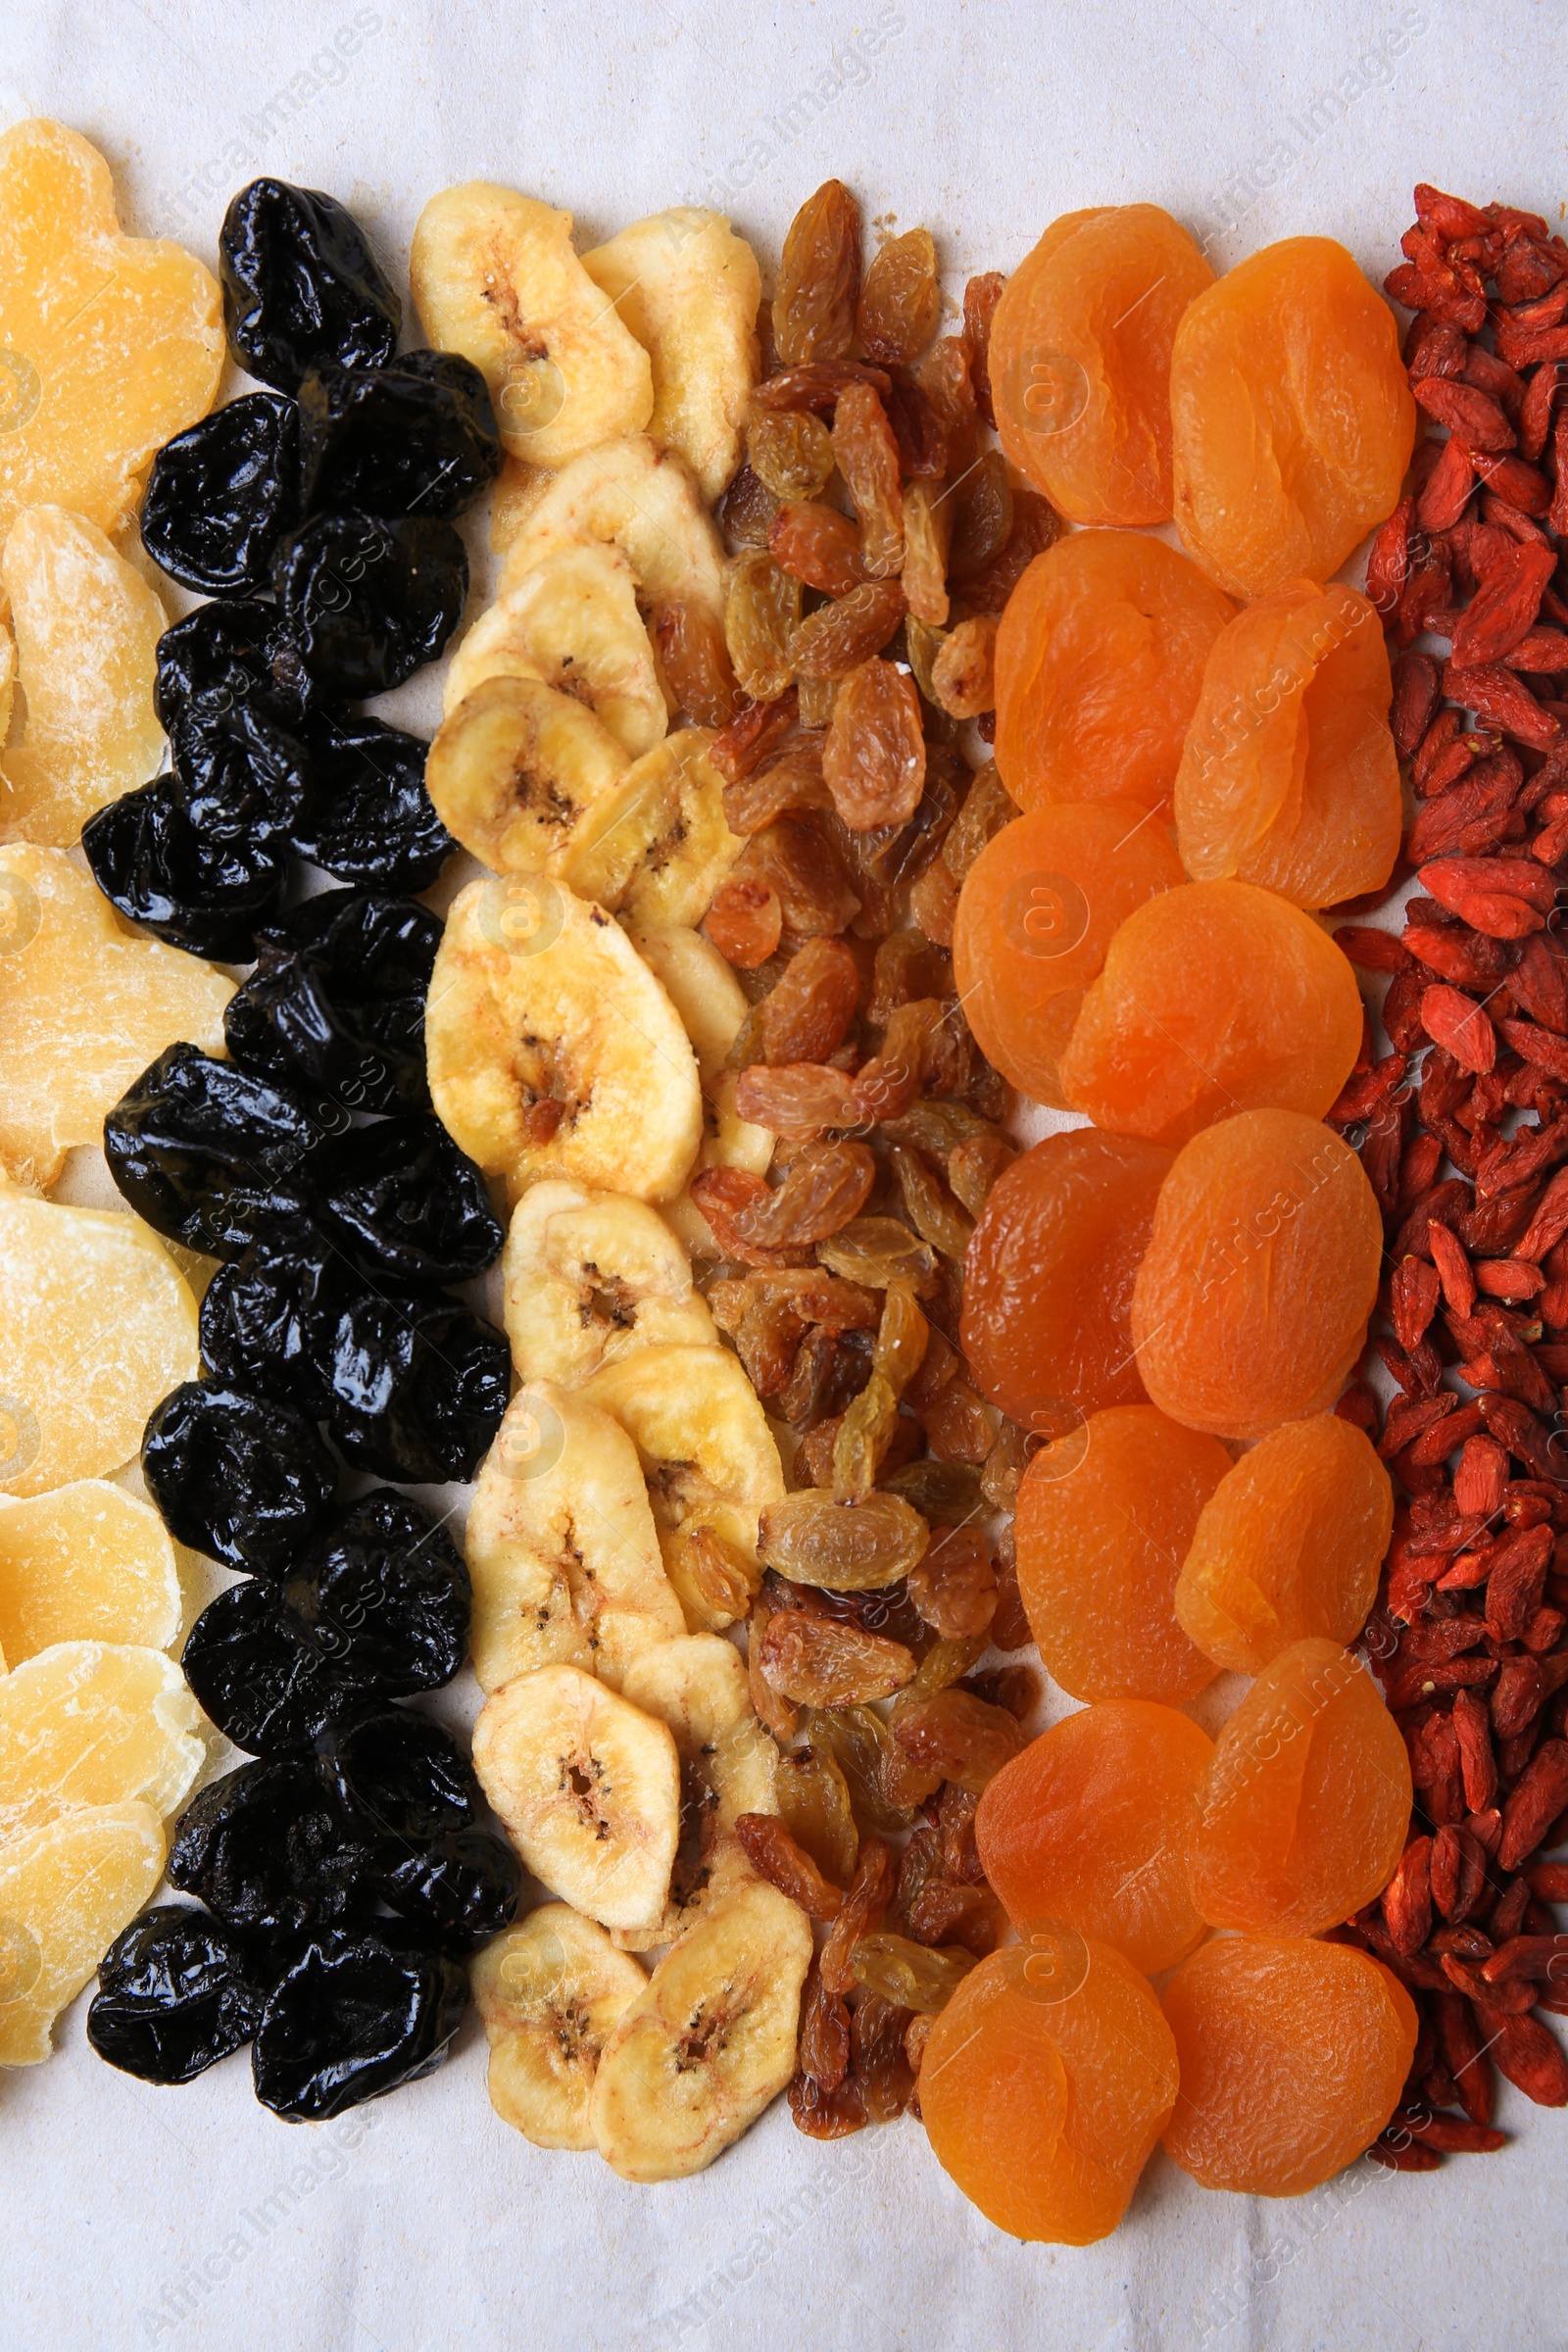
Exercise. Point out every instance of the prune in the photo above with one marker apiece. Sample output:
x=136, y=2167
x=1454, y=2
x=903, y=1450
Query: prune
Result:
x=155, y=869
x=225, y=654
x=176, y=1994
x=416, y=438
x=207, y=1155
x=221, y=496
x=419, y=1387
x=355, y=2016
x=337, y=1001
x=385, y=1595
x=265, y=1849
x=398, y=1775
x=244, y=1479
x=268, y=1318
x=463, y=1886
x=301, y=287
x=259, y=1676
x=240, y=777
x=367, y=816
x=402, y=1196
x=370, y=602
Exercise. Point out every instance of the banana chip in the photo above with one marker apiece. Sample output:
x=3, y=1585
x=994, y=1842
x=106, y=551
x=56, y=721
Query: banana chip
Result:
x=645, y=501
x=571, y=623
x=656, y=845
x=549, y=1992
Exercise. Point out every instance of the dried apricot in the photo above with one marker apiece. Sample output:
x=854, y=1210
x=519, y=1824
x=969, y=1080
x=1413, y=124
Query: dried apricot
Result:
x=1100, y=663
x=1306, y=1809
x=1292, y=417
x=1215, y=997
x=87, y=1562
x=1289, y=1546
x=1081, y=359
x=1087, y=1827
x=1293, y=2056
x=1252, y=1301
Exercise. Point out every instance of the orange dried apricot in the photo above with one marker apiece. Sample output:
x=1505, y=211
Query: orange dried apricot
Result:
x=1080, y=360
x=1048, y=1278
x=1289, y=777
x=1045, y=2084
x=1292, y=417
x=1293, y=2057
x=1289, y=1546
x=1252, y=1301
x=1306, y=1809
x=1087, y=1827
x=1106, y=1516
x=1215, y=997
x=1038, y=907
x=1099, y=665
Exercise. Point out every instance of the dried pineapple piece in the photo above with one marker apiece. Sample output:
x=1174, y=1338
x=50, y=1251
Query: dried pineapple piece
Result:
x=88, y=627
x=97, y=1325
x=114, y=344
x=94, y=1722
x=84, y=1007
x=8, y=676
x=86, y=1563
x=66, y=1891
x=571, y=623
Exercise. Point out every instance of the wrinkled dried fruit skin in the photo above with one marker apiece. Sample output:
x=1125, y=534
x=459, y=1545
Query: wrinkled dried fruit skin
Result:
x=901, y=299
x=302, y=289
x=385, y=1594
x=695, y=661
x=337, y=1001
x=416, y=436
x=207, y=1155
x=222, y=494
x=874, y=761
x=259, y=1676
x=954, y=1586
x=963, y=674
x=820, y=279
x=965, y=1738
x=355, y=2016
x=266, y=1849
x=370, y=602
x=908, y=1974
x=774, y=1854
x=791, y=453
x=1080, y=360
x=243, y=1479
x=1291, y=416
x=843, y=1547
x=1305, y=1811
x=819, y=1664
x=404, y=1200
x=1252, y=1301
x=762, y=609
x=821, y=547
x=176, y=1993
x=1289, y=1546
x=367, y=816
x=867, y=458
x=814, y=1802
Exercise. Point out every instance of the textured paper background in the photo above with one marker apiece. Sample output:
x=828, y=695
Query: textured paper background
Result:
x=192, y=2218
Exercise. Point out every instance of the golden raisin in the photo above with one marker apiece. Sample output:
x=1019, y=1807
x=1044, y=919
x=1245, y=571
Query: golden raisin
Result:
x=867, y=457
x=874, y=757
x=901, y=299
x=762, y=607
x=820, y=279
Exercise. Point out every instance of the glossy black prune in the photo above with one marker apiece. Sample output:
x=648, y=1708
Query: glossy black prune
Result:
x=176, y=1993
x=244, y=1479
x=397, y=1774
x=337, y=1000
x=384, y=1593
x=155, y=869
x=419, y=1387
x=268, y=1850
x=211, y=1155
x=268, y=1318
x=370, y=602
x=355, y=2016
x=259, y=1676
x=464, y=1888
x=241, y=776
x=407, y=1200
x=367, y=816
x=416, y=438
x=222, y=494
x=301, y=287
x=232, y=652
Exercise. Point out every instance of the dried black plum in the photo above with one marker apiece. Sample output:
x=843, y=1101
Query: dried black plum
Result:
x=211, y=1155
x=227, y=653
x=259, y=1676
x=268, y=1850
x=397, y=1774
x=244, y=1479
x=370, y=602
x=419, y=1387
x=302, y=288
x=155, y=869
x=220, y=495
x=268, y=1318
x=408, y=1200
x=367, y=816
x=385, y=1594
x=463, y=1886
x=337, y=1001
x=240, y=774
x=416, y=438
x=355, y=2016
x=177, y=1991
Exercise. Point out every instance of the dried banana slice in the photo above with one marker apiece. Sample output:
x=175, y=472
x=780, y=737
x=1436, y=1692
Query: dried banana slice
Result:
x=514, y=770
x=552, y=1050
x=572, y=622
x=588, y=1790
x=713, y=1005
x=494, y=275
x=708, y=2042
x=87, y=1562
x=643, y=499
x=516, y=495
x=94, y=1722
x=84, y=1007
x=658, y=846
x=689, y=288
x=8, y=673
x=66, y=1891
x=97, y=1325
x=590, y=1277
x=549, y=1993
x=560, y=1545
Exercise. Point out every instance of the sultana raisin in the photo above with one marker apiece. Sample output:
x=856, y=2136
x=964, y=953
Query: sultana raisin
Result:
x=791, y=453
x=945, y=1494
x=802, y=1100
x=866, y=1906
x=767, y=1341
x=881, y=2071
x=974, y=1167
x=987, y=807
x=967, y=1916
x=839, y=637
x=905, y=967
x=820, y=279
x=957, y=1809
x=695, y=661
x=779, y=1714
x=751, y=735
x=817, y=698
x=982, y=519
x=867, y=457
x=956, y=1424
x=954, y=1586
x=826, y=2114
x=934, y=903
x=823, y=2049
x=864, y=1431
x=749, y=510
x=790, y=782
x=762, y=609
x=980, y=299
x=930, y=1207
x=816, y=384
x=874, y=759
x=947, y=381
x=744, y=921
x=922, y=643
x=876, y=1251
x=826, y=1185
x=901, y=299
x=963, y=674
x=819, y=547
x=814, y=1802
x=959, y=1736
x=1036, y=525
x=775, y=1856
x=842, y=1546
x=945, y=1663
x=806, y=1017
x=913, y=1975
x=927, y=539
x=917, y=429
x=796, y=857
x=903, y=1336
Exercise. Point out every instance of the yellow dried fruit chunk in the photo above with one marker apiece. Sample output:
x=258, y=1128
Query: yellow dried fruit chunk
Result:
x=86, y=1563
x=97, y=1324
x=66, y=1891
x=87, y=628
x=112, y=344
x=712, y=1008
x=94, y=1722
x=85, y=1005
x=8, y=676
x=658, y=845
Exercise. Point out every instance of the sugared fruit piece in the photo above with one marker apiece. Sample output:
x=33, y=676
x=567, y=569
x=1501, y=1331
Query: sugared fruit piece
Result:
x=94, y=1722
x=87, y=1562
x=66, y=1891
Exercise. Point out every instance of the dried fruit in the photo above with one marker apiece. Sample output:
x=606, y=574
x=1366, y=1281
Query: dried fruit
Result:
x=820, y=1664
x=901, y=299
x=962, y=1737
x=85, y=1563
x=791, y=453
x=874, y=759
x=549, y=1992
x=774, y=1854
x=910, y=1976
x=821, y=548
x=94, y=1722
x=68, y=1890
x=820, y=279
x=839, y=638
x=843, y=1547
x=867, y=458
x=962, y=676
